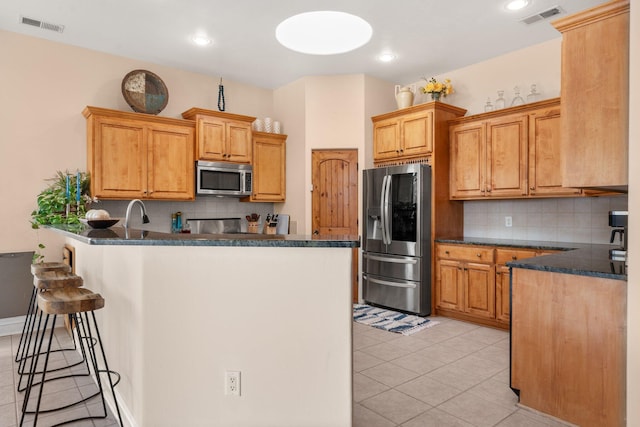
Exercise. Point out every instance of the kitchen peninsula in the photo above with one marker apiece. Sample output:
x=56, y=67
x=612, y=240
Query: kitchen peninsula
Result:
x=183, y=309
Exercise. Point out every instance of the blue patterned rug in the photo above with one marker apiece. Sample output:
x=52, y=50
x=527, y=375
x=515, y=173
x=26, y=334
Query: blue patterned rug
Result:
x=389, y=320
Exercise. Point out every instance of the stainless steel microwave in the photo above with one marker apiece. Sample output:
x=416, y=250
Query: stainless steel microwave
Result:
x=223, y=179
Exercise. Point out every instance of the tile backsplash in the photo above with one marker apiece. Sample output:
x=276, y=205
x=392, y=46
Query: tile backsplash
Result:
x=579, y=220
x=159, y=212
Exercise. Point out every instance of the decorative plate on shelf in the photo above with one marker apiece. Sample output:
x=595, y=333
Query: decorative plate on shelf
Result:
x=145, y=92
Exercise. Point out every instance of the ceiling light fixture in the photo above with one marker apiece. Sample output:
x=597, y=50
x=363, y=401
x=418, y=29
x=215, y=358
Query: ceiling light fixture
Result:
x=323, y=32
x=201, y=40
x=386, y=57
x=517, y=4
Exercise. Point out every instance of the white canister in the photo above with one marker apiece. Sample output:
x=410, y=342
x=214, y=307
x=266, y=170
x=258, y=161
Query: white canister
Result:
x=268, y=124
x=277, y=128
x=258, y=125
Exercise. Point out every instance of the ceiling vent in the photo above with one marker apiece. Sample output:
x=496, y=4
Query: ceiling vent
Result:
x=545, y=14
x=40, y=24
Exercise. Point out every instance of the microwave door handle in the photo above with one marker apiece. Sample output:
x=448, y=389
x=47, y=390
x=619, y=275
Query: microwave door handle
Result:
x=387, y=210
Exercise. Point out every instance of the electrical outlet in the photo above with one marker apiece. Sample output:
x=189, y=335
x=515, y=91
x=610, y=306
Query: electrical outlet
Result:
x=232, y=383
x=508, y=221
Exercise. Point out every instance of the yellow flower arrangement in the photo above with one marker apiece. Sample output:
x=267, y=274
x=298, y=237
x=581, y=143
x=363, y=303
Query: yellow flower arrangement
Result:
x=435, y=87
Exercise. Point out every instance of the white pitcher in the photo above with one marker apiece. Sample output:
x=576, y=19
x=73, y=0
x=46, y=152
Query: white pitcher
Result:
x=404, y=95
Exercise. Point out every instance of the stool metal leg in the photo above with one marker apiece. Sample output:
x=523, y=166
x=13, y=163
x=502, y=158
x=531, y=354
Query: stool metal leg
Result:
x=27, y=321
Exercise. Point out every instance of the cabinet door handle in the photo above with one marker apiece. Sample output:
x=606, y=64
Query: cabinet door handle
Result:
x=479, y=255
x=514, y=257
x=446, y=252
x=532, y=188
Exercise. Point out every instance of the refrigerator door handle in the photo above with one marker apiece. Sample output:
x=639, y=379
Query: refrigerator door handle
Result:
x=383, y=219
x=394, y=284
x=396, y=260
x=386, y=212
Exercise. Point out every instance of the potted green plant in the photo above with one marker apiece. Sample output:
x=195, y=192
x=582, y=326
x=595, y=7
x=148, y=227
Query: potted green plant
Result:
x=64, y=201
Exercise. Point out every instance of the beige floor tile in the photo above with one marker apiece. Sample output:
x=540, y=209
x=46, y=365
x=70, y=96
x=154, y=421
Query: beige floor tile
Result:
x=419, y=362
x=457, y=377
x=462, y=344
x=479, y=365
x=365, y=387
x=396, y=406
x=362, y=361
x=436, y=418
x=364, y=417
x=443, y=353
x=381, y=334
x=486, y=336
x=429, y=390
x=476, y=410
x=7, y=394
x=386, y=351
x=519, y=419
x=494, y=353
x=390, y=374
x=361, y=341
x=410, y=343
x=503, y=376
x=496, y=392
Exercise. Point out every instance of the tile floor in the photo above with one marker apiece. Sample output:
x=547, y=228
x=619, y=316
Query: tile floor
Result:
x=452, y=374
x=55, y=392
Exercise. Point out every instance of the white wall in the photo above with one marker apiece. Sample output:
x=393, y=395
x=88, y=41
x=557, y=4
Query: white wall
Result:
x=45, y=86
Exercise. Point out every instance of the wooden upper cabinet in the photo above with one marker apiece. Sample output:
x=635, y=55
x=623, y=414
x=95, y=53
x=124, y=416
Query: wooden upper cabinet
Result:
x=269, y=167
x=221, y=136
x=595, y=96
x=508, y=154
x=132, y=155
x=408, y=133
x=506, y=172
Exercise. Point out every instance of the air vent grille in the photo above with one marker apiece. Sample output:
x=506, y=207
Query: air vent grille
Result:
x=545, y=14
x=40, y=24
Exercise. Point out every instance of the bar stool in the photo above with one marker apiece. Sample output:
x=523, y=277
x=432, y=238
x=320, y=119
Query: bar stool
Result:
x=43, y=281
x=36, y=268
x=77, y=303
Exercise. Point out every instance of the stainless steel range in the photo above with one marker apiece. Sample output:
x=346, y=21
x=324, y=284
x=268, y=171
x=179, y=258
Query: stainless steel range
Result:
x=396, y=266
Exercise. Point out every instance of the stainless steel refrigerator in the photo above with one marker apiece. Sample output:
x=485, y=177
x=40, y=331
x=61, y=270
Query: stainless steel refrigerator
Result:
x=396, y=264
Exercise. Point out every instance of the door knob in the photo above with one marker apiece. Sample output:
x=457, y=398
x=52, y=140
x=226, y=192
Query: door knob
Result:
x=316, y=232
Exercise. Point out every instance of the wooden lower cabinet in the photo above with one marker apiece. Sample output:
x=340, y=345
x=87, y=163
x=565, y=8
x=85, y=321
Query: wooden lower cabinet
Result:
x=568, y=346
x=472, y=281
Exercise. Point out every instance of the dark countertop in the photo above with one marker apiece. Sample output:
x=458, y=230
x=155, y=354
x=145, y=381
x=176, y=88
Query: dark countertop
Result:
x=119, y=236
x=576, y=258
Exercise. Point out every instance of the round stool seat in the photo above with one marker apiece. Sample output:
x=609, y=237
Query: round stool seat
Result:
x=56, y=279
x=69, y=300
x=49, y=266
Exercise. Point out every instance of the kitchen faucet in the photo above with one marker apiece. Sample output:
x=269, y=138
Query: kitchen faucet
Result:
x=145, y=218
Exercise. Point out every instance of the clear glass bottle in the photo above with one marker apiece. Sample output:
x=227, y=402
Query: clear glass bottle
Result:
x=488, y=106
x=500, y=101
x=174, y=219
x=517, y=100
x=533, y=95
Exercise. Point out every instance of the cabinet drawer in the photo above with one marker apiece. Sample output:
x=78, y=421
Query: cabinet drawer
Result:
x=505, y=255
x=465, y=253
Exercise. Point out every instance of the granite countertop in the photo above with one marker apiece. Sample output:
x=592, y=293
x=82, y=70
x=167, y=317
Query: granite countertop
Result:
x=119, y=236
x=576, y=258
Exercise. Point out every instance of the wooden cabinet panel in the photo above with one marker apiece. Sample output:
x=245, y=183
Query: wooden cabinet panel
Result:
x=221, y=136
x=503, y=303
x=269, y=167
x=132, y=155
x=387, y=139
x=568, y=346
x=465, y=252
x=449, y=285
x=506, y=156
x=171, y=163
x=417, y=134
x=545, y=171
x=480, y=290
x=595, y=97
x=467, y=173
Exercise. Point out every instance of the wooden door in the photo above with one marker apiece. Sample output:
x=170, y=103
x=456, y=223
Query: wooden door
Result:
x=449, y=289
x=334, y=203
x=211, y=134
x=545, y=166
x=120, y=159
x=171, y=163
x=467, y=173
x=417, y=134
x=480, y=290
x=507, y=154
x=238, y=144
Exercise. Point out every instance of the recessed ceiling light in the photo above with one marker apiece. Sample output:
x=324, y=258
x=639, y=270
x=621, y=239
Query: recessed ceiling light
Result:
x=323, y=32
x=386, y=57
x=201, y=40
x=517, y=4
